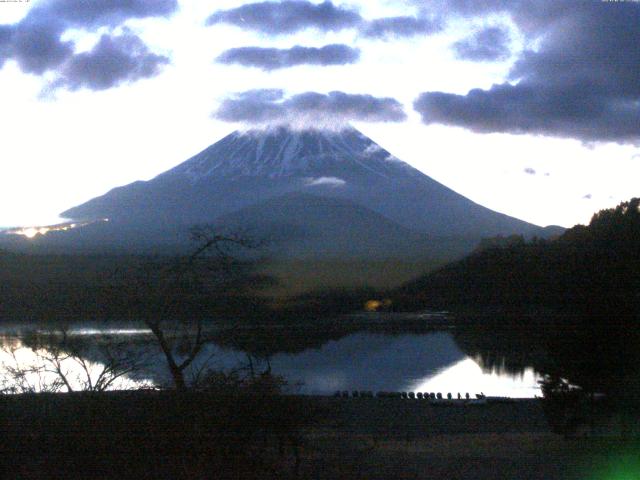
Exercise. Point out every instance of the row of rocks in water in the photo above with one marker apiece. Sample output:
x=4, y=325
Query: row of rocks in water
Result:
x=406, y=395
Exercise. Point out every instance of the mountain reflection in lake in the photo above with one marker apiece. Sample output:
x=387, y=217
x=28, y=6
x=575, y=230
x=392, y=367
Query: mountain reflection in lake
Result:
x=358, y=361
x=410, y=362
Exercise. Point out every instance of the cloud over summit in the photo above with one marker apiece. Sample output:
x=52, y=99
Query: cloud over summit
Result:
x=272, y=107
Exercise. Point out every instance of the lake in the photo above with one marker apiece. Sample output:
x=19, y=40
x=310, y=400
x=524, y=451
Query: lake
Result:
x=364, y=360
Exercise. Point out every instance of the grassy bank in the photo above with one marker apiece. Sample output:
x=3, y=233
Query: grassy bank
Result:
x=163, y=435
x=146, y=434
x=405, y=439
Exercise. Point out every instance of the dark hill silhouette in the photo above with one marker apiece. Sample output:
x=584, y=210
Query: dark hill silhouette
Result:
x=593, y=268
x=575, y=300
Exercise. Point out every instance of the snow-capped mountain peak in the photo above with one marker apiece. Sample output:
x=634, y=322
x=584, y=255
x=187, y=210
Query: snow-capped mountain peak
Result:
x=283, y=152
x=298, y=181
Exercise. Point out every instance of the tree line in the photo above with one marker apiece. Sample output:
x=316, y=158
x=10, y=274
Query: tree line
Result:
x=590, y=269
x=568, y=306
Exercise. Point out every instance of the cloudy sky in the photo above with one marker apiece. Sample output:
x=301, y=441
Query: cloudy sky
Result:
x=530, y=107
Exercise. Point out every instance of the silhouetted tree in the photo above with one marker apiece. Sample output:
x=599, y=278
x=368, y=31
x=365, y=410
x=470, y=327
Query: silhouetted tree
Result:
x=58, y=360
x=180, y=294
x=585, y=289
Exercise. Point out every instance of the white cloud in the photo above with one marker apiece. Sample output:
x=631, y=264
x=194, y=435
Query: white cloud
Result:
x=371, y=149
x=330, y=181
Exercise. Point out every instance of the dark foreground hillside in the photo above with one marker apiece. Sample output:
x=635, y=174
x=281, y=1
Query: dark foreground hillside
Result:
x=147, y=434
x=202, y=436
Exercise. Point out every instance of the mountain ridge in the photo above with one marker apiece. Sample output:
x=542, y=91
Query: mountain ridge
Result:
x=245, y=170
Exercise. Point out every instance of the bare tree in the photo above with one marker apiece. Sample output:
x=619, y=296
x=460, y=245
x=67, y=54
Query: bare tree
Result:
x=18, y=376
x=178, y=294
x=57, y=360
x=175, y=297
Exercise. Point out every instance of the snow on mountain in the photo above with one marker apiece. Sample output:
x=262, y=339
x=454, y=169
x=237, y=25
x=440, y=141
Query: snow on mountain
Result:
x=265, y=170
x=283, y=153
x=334, y=181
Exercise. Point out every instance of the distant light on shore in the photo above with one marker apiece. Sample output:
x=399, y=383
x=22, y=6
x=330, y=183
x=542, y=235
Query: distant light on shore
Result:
x=34, y=231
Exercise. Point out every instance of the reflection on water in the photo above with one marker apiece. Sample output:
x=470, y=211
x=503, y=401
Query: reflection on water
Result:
x=112, y=331
x=415, y=362
x=367, y=361
x=467, y=376
x=25, y=369
x=359, y=361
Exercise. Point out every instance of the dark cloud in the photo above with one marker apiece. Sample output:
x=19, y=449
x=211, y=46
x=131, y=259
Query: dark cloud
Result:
x=290, y=16
x=253, y=106
x=272, y=107
x=275, y=58
x=588, y=196
x=35, y=42
x=113, y=61
x=37, y=47
x=287, y=16
x=261, y=95
x=529, y=171
x=487, y=45
x=6, y=35
x=580, y=111
x=582, y=82
x=6, y=32
x=400, y=27
x=532, y=16
x=93, y=13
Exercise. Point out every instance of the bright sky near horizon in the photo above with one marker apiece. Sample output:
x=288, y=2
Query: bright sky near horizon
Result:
x=529, y=107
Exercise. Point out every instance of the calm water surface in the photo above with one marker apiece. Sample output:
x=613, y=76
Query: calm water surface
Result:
x=430, y=362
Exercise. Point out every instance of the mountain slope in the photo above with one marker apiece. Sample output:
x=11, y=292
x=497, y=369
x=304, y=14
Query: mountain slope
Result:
x=278, y=172
x=310, y=226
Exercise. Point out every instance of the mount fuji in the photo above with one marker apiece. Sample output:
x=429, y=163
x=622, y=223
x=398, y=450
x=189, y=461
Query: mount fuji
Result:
x=311, y=193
